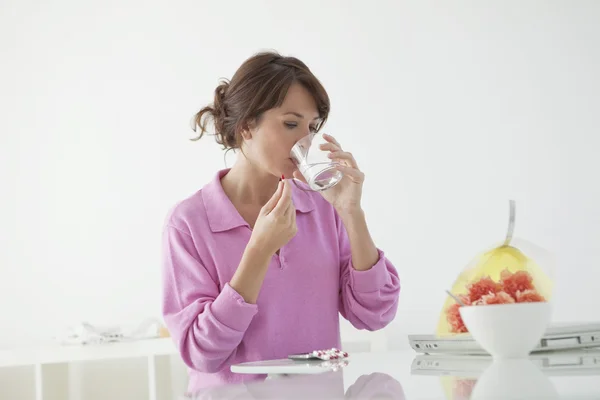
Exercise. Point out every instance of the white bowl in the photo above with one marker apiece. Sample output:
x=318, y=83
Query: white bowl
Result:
x=507, y=330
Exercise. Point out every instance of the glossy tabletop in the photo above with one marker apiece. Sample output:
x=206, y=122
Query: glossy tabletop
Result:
x=407, y=375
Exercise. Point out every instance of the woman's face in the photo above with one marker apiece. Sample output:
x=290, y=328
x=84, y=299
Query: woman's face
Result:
x=271, y=140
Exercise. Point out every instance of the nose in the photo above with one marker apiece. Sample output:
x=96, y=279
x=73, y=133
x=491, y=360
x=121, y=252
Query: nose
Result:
x=300, y=134
x=305, y=132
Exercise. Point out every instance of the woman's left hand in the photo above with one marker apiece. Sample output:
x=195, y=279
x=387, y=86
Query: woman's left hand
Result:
x=346, y=195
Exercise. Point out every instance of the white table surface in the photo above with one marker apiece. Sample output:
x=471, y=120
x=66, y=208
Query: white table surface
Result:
x=405, y=375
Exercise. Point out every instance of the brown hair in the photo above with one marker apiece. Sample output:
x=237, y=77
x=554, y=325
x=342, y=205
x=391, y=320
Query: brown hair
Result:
x=259, y=84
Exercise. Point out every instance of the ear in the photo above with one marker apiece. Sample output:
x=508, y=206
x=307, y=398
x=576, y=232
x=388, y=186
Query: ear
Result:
x=246, y=134
x=246, y=130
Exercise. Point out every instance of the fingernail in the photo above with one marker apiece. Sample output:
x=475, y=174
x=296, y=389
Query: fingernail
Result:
x=282, y=177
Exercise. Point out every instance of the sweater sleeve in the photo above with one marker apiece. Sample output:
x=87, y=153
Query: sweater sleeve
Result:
x=206, y=324
x=368, y=299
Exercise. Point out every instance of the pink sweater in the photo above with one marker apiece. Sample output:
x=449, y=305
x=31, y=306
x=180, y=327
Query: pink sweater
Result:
x=306, y=286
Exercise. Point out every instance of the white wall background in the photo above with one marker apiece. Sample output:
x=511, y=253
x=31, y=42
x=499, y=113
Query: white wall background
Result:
x=451, y=108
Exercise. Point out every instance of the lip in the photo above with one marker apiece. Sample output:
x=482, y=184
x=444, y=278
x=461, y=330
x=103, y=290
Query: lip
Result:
x=293, y=166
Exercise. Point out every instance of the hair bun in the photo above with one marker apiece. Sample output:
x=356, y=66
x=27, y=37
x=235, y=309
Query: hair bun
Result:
x=219, y=101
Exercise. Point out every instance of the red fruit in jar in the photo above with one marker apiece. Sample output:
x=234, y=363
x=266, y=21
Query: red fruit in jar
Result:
x=519, y=281
x=483, y=287
x=455, y=320
x=496, y=298
x=529, y=296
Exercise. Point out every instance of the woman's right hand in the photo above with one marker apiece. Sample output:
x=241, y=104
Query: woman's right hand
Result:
x=276, y=222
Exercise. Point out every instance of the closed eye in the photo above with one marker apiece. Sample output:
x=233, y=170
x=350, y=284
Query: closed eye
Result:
x=292, y=125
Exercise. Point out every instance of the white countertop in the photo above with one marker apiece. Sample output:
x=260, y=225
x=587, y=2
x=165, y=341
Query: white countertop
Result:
x=406, y=375
x=150, y=370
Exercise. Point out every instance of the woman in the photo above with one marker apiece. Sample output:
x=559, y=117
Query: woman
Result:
x=256, y=267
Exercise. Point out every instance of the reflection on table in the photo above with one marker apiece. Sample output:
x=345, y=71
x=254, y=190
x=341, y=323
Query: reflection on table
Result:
x=481, y=377
x=328, y=385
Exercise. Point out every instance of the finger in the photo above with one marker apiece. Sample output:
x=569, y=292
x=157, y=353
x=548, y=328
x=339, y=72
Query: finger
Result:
x=289, y=206
x=294, y=217
x=299, y=176
x=352, y=173
x=331, y=139
x=268, y=207
x=290, y=213
x=330, y=147
x=291, y=210
x=343, y=155
x=285, y=200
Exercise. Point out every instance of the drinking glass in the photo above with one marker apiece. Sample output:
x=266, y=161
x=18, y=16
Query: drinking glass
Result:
x=314, y=164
